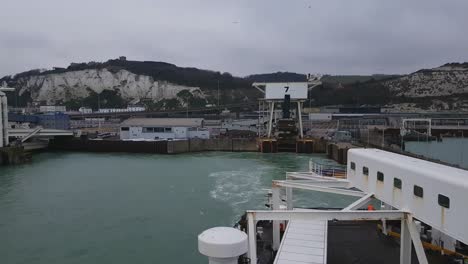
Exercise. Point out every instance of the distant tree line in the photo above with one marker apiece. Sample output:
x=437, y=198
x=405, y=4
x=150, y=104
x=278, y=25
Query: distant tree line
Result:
x=106, y=99
x=372, y=92
x=277, y=77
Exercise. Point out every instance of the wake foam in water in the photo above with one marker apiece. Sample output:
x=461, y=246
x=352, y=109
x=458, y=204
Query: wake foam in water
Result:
x=241, y=189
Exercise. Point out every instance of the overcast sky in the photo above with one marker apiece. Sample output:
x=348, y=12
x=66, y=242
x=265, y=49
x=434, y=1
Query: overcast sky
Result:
x=238, y=36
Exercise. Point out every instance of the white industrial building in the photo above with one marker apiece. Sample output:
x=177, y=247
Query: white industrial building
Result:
x=163, y=128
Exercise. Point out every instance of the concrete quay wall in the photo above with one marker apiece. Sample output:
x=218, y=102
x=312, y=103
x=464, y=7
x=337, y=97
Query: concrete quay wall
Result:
x=161, y=147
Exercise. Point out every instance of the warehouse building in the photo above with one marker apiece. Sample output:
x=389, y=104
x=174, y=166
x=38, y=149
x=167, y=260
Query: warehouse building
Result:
x=163, y=128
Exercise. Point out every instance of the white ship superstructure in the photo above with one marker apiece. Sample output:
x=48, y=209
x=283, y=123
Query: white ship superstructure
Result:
x=417, y=199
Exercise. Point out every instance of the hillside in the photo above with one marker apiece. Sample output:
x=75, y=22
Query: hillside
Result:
x=160, y=85
x=119, y=82
x=441, y=88
x=350, y=79
x=445, y=80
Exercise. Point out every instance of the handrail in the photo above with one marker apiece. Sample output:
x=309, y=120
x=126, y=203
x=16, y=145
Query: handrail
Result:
x=326, y=170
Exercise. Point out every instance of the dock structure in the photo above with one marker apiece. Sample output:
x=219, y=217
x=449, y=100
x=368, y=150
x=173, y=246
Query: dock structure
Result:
x=284, y=131
x=15, y=153
x=417, y=194
x=8, y=155
x=339, y=151
x=21, y=133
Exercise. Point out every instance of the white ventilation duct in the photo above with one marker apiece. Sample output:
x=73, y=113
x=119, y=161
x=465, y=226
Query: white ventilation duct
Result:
x=222, y=245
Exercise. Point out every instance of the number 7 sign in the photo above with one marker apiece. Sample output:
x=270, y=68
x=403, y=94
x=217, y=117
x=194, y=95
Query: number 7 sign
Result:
x=297, y=90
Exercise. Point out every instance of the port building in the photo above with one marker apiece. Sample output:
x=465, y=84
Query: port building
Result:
x=163, y=128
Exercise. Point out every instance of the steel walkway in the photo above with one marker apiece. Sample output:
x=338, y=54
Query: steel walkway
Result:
x=304, y=242
x=44, y=132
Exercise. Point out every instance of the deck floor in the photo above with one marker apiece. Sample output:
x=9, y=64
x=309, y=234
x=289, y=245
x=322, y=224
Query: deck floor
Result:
x=347, y=242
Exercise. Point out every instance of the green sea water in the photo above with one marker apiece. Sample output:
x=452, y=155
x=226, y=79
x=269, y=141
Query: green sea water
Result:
x=133, y=208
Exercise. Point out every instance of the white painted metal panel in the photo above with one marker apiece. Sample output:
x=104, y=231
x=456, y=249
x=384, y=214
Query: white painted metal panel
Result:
x=297, y=90
x=303, y=242
x=434, y=178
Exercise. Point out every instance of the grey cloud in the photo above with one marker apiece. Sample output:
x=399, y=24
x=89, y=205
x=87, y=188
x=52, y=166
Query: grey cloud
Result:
x=242, y=36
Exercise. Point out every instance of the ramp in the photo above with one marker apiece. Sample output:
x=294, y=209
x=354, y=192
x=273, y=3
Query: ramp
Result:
x=304, y=242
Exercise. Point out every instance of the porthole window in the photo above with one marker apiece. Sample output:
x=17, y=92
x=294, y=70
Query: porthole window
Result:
x=397, y=183
x=380, y=176
x=365, y=170
x=418, y=191
x=444, y=201
x=353, y=165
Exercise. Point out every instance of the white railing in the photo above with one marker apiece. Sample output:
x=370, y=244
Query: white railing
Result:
x=326, y=170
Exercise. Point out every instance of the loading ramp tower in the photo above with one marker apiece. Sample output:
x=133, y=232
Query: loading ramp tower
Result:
x=284, y=130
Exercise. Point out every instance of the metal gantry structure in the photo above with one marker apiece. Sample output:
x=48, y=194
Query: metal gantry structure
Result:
x=371, y=174
x=275, y=94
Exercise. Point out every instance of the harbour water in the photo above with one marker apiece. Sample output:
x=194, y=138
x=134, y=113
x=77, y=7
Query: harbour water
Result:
x=451, y=150
x=128, y=208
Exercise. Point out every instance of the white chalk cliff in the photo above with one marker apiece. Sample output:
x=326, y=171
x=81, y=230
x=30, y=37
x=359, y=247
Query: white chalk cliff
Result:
x=61, y=87
x=442, y=81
